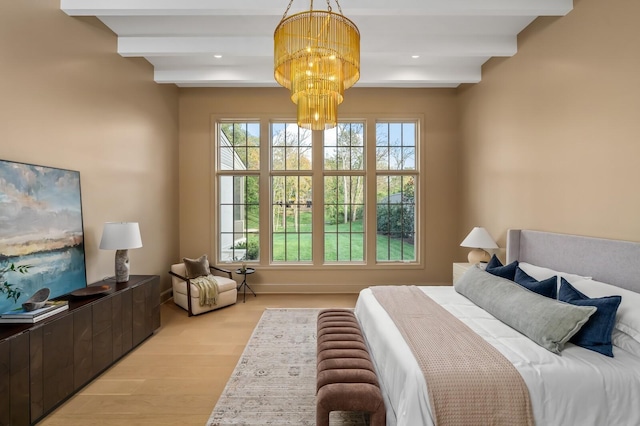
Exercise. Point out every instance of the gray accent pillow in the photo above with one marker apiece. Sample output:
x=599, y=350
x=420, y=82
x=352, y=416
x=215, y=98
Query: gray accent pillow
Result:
x=549, y=323
x=196, y=267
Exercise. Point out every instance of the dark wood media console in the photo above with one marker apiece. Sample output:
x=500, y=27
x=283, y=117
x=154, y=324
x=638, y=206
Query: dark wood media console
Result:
x=43, y=364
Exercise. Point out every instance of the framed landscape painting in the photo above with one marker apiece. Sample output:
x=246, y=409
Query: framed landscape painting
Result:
x=41, y=231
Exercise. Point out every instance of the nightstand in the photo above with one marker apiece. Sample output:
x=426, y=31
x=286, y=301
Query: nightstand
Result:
x=460, y=268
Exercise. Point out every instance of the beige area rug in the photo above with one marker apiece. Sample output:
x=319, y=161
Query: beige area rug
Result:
x=274, y=382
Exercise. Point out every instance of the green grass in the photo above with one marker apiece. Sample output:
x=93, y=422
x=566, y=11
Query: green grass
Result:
x=356, y=226
x=343, y=242
x=304, y=222
x=292, y=247
x=393, y=249
x=343, y=247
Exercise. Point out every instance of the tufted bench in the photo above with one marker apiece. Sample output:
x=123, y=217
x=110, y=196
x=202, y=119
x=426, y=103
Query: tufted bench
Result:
x=346, y=378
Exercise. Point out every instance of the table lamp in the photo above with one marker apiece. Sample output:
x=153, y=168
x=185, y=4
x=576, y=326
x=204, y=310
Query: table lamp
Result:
x=479, y=239
x=121, y=236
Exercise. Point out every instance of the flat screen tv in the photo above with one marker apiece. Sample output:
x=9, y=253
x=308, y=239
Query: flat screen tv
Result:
x=40, y=231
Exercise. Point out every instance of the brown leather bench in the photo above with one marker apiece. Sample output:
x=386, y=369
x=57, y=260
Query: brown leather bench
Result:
x=346, y=378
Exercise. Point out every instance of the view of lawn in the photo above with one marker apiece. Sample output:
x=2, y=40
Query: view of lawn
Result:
x=343, y=242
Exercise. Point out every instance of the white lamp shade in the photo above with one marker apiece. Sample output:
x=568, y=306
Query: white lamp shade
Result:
x=479, y=238
x=120, y=236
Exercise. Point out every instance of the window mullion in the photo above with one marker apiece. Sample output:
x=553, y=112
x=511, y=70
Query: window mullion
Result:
x=318, y=197
x=370, y=197
x=265, y=191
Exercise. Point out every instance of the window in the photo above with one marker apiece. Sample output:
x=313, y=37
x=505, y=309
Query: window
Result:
x=344, y=190
x=395, y=189
x=291, y=193
x=363, y=206
x=238, y=169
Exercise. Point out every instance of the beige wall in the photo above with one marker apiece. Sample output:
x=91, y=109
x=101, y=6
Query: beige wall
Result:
x=551, y=135
x=548, y=139
x=70, y=101
x=440, y=185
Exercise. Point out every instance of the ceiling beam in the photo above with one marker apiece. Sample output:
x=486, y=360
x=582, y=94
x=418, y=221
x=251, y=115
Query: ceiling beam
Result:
x=480, y=45
x=165, y=46
x=217, y=77
x=239, y=76
x=418, y=27
x=354, y=7
x=441, y=46
x=431, y=76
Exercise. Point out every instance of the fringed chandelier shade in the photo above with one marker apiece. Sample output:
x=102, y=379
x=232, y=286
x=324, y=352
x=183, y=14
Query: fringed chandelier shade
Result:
x=317, y=57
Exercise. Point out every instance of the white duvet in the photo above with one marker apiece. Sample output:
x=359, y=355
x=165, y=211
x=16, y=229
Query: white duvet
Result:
x=580, y=387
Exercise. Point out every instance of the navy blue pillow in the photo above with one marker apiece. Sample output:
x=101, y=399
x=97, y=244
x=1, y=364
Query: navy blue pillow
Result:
x=595, y=334
x=548, y=287
x=495, y=267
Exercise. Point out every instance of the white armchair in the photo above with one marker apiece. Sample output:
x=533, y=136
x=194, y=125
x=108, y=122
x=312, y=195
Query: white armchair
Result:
x=187, y=296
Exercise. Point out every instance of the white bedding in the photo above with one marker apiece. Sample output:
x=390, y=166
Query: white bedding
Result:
x=580, y=387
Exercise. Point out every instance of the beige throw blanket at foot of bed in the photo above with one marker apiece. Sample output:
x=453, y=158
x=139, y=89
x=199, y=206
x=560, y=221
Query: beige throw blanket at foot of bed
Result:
x=468, y=380
x=207, y=288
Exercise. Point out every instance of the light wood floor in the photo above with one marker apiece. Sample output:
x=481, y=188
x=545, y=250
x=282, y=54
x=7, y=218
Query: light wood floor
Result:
x=177, y=375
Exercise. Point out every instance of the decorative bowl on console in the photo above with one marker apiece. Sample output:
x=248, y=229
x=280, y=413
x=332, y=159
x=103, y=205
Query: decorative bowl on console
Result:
x=37, y=301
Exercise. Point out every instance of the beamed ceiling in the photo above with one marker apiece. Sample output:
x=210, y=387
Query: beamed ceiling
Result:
x=451, y=38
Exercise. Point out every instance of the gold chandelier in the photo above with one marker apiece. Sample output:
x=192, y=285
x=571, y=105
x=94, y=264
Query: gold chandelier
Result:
x=317, y=57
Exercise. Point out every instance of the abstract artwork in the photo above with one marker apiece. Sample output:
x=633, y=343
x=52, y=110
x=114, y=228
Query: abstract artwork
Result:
x=40, y=229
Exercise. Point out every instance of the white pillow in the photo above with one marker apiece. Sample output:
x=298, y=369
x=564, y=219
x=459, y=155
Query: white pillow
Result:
x=628, y=315
x=540, y=273
x=626, y=342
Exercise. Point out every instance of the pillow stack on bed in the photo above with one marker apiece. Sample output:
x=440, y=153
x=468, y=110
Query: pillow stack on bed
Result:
x=626, y=327
x=547, y=322
x=594, y=333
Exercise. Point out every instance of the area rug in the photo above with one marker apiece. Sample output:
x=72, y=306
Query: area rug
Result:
x=275, y=378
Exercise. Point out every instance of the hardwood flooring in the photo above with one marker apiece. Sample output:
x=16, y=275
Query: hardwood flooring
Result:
x=176, y=376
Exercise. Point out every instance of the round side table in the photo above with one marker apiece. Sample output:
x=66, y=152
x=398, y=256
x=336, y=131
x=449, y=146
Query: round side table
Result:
x=244, y=286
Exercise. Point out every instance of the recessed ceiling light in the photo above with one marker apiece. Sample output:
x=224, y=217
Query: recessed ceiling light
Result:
x=217, y=56
x=415, y=56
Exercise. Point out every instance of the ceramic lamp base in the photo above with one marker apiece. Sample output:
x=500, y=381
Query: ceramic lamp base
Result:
x=478, y=255
x=122, y=266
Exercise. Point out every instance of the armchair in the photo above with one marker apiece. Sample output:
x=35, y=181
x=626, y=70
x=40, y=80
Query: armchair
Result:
x=187, y=296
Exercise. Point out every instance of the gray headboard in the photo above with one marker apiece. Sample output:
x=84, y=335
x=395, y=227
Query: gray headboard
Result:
x=610, y=261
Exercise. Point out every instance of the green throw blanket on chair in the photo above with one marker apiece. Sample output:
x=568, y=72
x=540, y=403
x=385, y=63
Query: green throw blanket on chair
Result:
x=208, y=289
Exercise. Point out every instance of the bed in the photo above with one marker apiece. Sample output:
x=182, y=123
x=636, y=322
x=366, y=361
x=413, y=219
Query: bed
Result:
x=577, y=387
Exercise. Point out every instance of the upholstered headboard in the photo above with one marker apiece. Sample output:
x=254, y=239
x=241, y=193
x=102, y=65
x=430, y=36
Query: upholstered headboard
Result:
x=611, y=261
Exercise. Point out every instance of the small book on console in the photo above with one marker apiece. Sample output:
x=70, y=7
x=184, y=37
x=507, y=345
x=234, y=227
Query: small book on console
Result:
x=22, y=316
